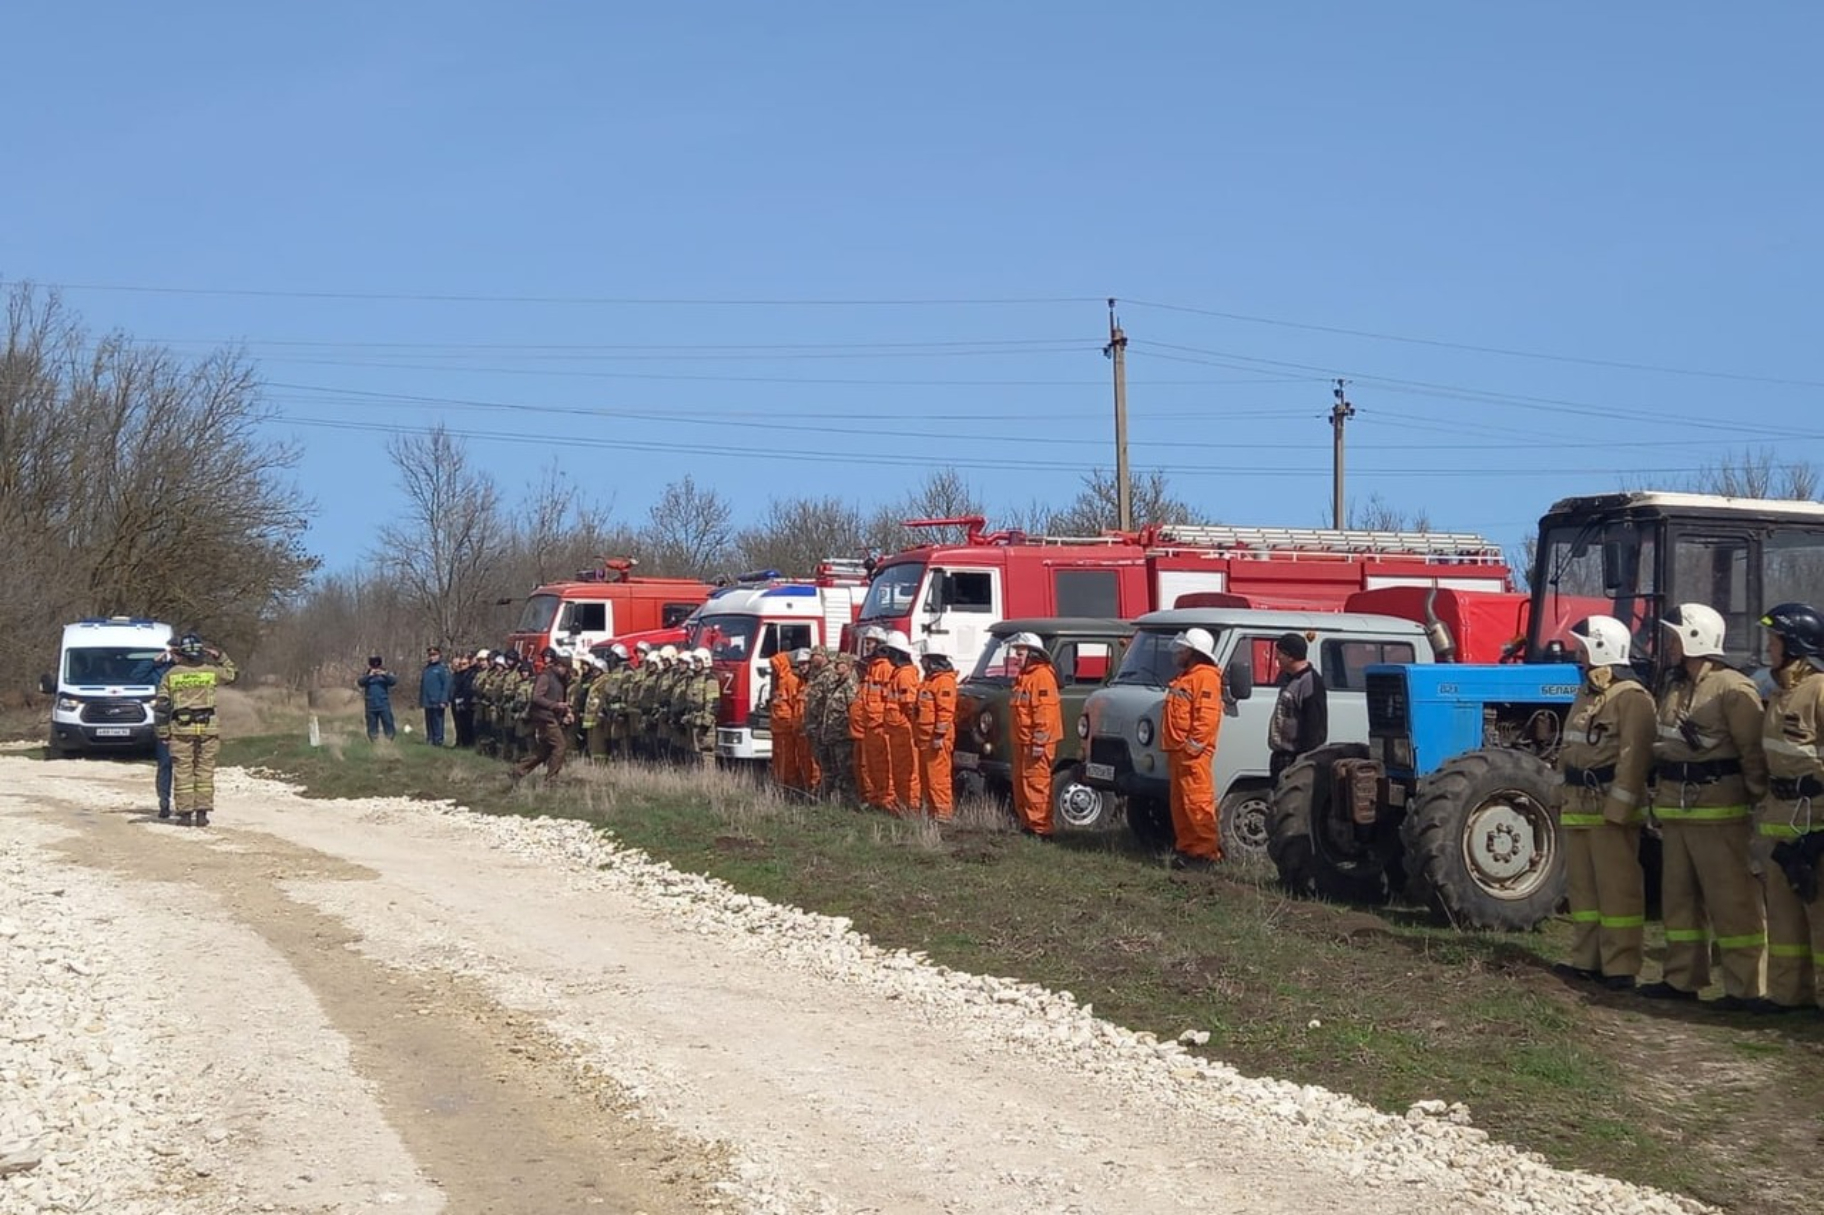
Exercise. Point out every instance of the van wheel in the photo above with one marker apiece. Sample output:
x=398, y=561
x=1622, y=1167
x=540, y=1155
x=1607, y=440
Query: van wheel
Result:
x=1079, y=806
x=1150, y=819
x=1243, y=817
x=1314, y=855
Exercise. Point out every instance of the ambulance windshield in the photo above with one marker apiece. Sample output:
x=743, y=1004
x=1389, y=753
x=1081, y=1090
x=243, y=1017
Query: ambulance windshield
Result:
x=113, y=666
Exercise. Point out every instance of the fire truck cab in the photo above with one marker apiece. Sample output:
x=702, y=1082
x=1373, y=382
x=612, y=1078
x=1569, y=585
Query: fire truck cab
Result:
x=763, y=615
x=602, y=604
x=950, y=596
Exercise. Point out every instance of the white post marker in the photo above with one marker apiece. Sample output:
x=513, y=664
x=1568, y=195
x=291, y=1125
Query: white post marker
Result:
x=316, y=732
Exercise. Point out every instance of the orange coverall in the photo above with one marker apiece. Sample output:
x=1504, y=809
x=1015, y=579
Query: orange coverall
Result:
x=858, y=737
x=902, y=749
x=935, y=737
x=787, y=722
x=1193, y=717
x=1038, y=723
x=876, y=756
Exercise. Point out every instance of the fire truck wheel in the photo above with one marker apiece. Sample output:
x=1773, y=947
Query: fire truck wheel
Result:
x=1308, y=850
x=1077, y=806
x=1150, y=819
x=1481, y=843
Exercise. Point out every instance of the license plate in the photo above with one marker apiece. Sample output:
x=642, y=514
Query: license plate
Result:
x=1099, y=772
x=114, y=732
x=968, y=760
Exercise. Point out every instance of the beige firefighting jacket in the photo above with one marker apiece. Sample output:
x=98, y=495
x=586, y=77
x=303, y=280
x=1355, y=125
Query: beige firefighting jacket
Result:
x=1795, y=753
x=1607, y=754
x=1709, y=765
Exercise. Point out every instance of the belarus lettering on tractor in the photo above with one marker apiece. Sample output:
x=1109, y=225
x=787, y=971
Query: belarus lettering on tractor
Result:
x=950, y=596
x=763, y=615
x=601, y=605
x=1085, y=653
x=1450, y=801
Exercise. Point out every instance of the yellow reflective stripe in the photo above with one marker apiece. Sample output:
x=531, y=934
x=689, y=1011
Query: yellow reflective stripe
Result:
x=1624, y=921
x=1581, y=820
x=1585, y=917
x=1686, y=934
x=1700, y=814
x=1782, y=746
x=1777, y=950
x=1753, y=940
x=1786, y=831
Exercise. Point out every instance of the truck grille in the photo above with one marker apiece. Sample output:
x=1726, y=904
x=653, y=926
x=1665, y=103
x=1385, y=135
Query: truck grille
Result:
x=114, y=712
x=1110, y=751
x=1387, y=704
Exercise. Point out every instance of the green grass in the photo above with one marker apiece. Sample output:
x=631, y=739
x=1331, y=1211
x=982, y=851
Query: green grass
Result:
x=1404, y=1010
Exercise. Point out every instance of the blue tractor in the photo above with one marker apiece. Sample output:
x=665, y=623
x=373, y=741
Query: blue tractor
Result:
x=1450, y=803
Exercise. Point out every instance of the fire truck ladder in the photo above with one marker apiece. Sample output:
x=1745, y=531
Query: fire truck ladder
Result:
x=1439, y=547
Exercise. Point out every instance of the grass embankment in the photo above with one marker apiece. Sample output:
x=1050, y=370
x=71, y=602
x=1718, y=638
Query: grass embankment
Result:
x=1378, y=1004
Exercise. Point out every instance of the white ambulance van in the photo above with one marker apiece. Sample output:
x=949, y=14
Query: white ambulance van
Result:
x=106, y=677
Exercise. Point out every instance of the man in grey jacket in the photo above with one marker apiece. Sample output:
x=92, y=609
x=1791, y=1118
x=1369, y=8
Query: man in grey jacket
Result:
x=549, y=717
x=1301, y=718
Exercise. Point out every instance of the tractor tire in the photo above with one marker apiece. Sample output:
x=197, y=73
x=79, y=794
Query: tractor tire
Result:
x=1296, y=838
x=1243, y=817
x=1150, y=820
x=1481, y=842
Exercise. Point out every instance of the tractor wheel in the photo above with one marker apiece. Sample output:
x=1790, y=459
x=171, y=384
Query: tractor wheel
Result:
x=1482, y=844
x=1303, y=843
x=1243, y=816
x=1150, y=819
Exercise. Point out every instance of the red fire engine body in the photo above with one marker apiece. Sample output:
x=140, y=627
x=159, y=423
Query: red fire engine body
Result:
x=603, y=604
x=949, y=596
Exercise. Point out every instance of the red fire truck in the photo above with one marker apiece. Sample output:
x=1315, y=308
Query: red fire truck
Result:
x=603, y=603
x=743, y=627
x=949, y=596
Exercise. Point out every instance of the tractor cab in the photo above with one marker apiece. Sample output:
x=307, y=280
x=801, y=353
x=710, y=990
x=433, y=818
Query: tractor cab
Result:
x=1450, y=801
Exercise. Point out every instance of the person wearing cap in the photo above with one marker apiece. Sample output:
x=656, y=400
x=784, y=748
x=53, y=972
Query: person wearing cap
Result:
x=1301, y=715
x=520, y=728
x=462, y=696
x=1187, y=734
x=840, y=746
x=786, y=720
x=376, y=686
x=1792, y=816
x=934, y=734
x=1709, y=771
x=1038, y=723
x=810, y=775
x=876, y=762
x=548, y=716
x=898, y=715
x=1603, y=766
x=485, y=678
x=435, y=684
x=817, y=685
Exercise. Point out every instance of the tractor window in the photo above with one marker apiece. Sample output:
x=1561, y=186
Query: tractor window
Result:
x=1087, y=592
x=1792, y=571
x=972, y=591
x=1346, y=663
x=1713, y=570
x=674, y=614
x=1589, y=569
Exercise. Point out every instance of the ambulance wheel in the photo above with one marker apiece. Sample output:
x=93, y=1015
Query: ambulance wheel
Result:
x=1481, y=844
x=1150, y=819
x=1243, y=815
x=1077, y=806
x=1314, y=855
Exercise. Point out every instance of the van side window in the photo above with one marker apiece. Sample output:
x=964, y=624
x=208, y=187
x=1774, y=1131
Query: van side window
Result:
x=1085, y=663
x=1087, y=592
x=1346, y=663
x=972, y=591
x=1263, y=653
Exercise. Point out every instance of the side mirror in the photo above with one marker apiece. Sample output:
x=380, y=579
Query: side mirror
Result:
x=1238, y=679
x=943, y=592
x=47, y=685
x=1619, y=558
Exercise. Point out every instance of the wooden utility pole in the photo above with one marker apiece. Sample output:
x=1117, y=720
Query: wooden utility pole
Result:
x=1340, y=413
x=1116, y=351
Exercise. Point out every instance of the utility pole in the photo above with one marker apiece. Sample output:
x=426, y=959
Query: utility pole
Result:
x=1116, y=351
x=1340, y=413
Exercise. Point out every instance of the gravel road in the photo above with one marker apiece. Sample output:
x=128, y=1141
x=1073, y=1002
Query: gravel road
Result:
x=388, y=1005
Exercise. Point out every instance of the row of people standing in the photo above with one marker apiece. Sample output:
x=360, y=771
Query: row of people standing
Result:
x=1731, y=782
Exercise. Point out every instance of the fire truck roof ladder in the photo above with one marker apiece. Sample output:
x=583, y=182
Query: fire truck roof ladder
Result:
x=1460, y=546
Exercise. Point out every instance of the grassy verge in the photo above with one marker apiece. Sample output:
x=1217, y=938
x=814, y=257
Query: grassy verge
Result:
x=1375, y=1003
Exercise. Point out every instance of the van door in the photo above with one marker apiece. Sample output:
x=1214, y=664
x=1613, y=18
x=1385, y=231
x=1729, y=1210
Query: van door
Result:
x=1082, y=666
x=1344, y=663
x=960, y=606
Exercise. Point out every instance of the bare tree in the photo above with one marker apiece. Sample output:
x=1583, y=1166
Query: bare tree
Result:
x=1758, y=474
x=798, y=533
x=1379, y=515
x=447, y=557
x=689, y=531
x=1096, y=508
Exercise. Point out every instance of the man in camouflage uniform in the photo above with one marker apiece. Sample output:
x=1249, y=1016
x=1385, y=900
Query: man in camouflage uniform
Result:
x=587, y=669
x=615, y=683
x=519, y=699
x=816, y=699
x=835, y=746
x=183, y=710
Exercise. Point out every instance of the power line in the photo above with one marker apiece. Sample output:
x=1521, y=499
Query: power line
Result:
x=578, y=300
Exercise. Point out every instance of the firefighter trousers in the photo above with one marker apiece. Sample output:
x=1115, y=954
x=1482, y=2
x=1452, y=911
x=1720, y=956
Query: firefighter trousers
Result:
x=785, y=758
x=1032, y=789
x=193, y=772
x=1194, y=806
x=937, y=780
x=810, y=772
x=1795, y=943
x=902, y=758
x=877, y=769
x=1608, y=896
x=1709, y=894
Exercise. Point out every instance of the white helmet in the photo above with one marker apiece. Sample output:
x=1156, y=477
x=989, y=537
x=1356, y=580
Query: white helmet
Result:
x=1700, y=629
x=668, y=653
x=874, y=633
x=1029, y=641
x=701, y=655
x=899, y=643
x=1197, y=641
x=1605, y=639
x=801, y=656
x=482, y=654
x=619, y=651
x=642, y=648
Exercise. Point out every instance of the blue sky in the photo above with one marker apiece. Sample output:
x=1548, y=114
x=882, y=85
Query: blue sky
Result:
x=1624, y=183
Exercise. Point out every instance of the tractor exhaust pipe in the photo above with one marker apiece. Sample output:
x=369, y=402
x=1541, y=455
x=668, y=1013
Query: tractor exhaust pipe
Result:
x=1443, y=645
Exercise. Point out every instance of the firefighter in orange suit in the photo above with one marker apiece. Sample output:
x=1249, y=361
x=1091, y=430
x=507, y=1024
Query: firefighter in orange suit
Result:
x=876, y=752
x=901, y=716
x=1193, y=718
x=809, y=778
x=859, y=708
x=786, y=720
x=1038, y=723
x=934, y=734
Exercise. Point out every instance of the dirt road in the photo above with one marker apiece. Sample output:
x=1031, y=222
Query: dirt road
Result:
x=383, y=1005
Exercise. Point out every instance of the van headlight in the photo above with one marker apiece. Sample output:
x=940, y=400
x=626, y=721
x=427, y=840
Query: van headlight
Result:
x=69, y=704
x=1144, y=732
x=1083, y=726
x=984, y=724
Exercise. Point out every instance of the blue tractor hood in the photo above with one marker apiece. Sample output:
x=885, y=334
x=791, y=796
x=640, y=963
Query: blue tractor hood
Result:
x=1445, y=702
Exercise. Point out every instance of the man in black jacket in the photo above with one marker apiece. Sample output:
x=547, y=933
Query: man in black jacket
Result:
x=462, y=700
x=1301, y=718
x=549, y=717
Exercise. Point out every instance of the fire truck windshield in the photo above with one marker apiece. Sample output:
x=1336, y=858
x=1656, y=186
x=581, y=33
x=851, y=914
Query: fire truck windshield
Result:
x=728, y=638
x=1149, y=660
x=894, y=590
x=538, y=614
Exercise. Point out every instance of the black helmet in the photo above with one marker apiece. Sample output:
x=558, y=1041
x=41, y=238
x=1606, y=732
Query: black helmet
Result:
x=190, y=645
x=1799, y=626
